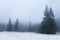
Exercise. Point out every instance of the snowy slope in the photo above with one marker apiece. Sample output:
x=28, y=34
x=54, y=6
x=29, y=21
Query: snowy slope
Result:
x=27, y=36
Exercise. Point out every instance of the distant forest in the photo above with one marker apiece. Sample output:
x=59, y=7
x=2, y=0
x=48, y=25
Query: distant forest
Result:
x=47, y=26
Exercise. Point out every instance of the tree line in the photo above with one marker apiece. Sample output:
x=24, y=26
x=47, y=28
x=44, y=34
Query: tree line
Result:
x=14, y=27
x=47, y=26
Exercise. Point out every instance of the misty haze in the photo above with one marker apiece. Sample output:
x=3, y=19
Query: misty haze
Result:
x=29, y=19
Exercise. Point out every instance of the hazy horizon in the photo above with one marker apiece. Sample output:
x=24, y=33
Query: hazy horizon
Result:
x=26, y=10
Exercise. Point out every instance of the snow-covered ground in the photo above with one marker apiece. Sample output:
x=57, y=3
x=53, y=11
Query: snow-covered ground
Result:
x=27, y=36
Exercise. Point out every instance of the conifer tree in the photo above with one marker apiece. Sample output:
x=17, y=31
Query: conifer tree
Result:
x=30, y=27
x=16, y=26
x=48, y=25
x=9, y=26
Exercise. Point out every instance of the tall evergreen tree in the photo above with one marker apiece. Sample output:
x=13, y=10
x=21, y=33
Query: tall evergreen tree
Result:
x=16, y=26
x=9, y=26
x=48, y=25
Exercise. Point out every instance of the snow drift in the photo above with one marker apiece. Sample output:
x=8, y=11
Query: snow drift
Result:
x=27, y=36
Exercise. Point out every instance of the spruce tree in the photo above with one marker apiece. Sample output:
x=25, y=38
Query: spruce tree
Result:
x=16, y=26
x=48, y=25
x=9, y=26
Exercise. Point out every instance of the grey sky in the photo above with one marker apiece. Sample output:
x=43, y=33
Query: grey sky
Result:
x=26, y=10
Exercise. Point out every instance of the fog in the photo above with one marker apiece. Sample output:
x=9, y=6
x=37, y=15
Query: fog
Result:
x=26, y=10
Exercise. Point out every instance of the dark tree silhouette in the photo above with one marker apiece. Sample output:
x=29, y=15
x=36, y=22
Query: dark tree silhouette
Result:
x=16, y=26
x=30, y=27
x=9, y=26
x=48, y=25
